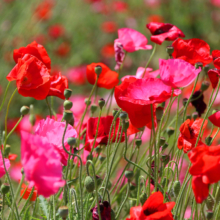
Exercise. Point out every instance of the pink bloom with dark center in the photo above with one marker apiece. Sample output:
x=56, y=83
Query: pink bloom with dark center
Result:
x=7, y=164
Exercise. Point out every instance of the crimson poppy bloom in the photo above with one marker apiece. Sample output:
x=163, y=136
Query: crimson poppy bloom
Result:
x=153, y=209
x=56, y=31
x=193, y=51
x=163, y=31
x=109, y=27
x=103, y=131
x=205, y=169
x=216, y=58
x=189, y=132
x=63, y=49
x=105, y=210
x=43, y=10
x=198, y=102
x=215, y=118
x=108, y=51
x=214, y=75
x=58, y=84
x=27, y=191
x=135, y=96
x=108, y=79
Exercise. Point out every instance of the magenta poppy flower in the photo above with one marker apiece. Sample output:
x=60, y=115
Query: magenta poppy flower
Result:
x=135, y=96
x=53, y=131
x=77, y=75
x=7, y=164
x=161, y=32
x=215, y=119
x=177, y=73
x=41, y=163
x=132, y=40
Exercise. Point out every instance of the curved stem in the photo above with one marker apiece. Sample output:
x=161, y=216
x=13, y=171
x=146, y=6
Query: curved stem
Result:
x=138, y=191
x=72, y=191
x=109, y=201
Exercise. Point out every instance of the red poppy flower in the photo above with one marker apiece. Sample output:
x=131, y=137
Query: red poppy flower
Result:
x=109, y=27
x=215, y=119
x=205, y=169
x=214, y=75
x=135, y=96
x=108, y=79
x=63, y=49
x=155, y=18
x=35, y=50
x=32, y=77
x=103, y=131
x=105, y=210
x=56, y=31
x=58, y=84
x=216, y=58
x=27, y=193
x=164, y=31
x=189, y=132
x=153, y=209
x=12, y=157
x=120, y=6
x=108, y=51
x=43, y=10
x=192, y=50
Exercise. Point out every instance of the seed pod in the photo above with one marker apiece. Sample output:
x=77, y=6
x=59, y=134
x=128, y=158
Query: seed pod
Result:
x=159, y=113
x=93, y=108
x=210, y=202
x=198, y=65
x=170, y=50
x=185, y=101
x=129, y=174
x=89, y=157
x=67, y=93
x=165, y=159
x=143, y=198
x=63, y=212
x=138, y=142
x=89, y=184
x=126, y=125
x=98, y=149
x=123, y=115
x=67, y=116
x=165, y=146
x=71, y=141
x=5, y=188
x=101, y=158
x=162, y=141
x=188, y=117
x=170, y=131
x=98, y=70
x=67, y=105
x=208, y=140
x=114, y=112
x=87, y=101
x=176, y=187
x=24, y=110
x=101, y=103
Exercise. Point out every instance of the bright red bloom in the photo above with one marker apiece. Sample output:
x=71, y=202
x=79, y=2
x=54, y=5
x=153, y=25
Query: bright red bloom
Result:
x=103, y=131
x=205, y=169
x=135, y=96
x=216, y=58
x=56, y=31
x=164, y=31
x=108, y=51
x=109, y=27
x=32, y=77
x=63, y=49
x=58, y=84
x=27, y=191
x=214, y=75
x=192, y=50
x=153, y=209
x=215, y=119
x=43, y=10
x=189, y=132
x=35, y=50
x=120, y=6
x=108, y=79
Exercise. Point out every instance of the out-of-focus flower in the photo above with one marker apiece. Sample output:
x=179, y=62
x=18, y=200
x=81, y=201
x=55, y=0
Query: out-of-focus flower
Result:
x=198, y=102
x=27, y=191
x=77, y=75
x=105, y=210
x=44, y=10
x=153, y=209
x=216, y=58
x=177, y=73
x=56, y=31
x=15, y=171
x=215, y=119
x=109, y=27
x=189, y=132
x=215, y=2
x=108, y=51
x=155, y=18
x=103, y=131
x=136, y=95
x=52, y=131
x=57, y=86
x=152, y=3
x=63, y=49
x=7, y=165
x=163, y=31
x=214, y=75
x=132, y=40
x=120, y=6
x=193, y=51
x=108, y=79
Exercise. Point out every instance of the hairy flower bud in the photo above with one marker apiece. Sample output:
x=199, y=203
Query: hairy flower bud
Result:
x=63, y=212
x=176, y=188
x=87, y=101
x=24, y=110
x=5, y=188
x=208, y=140
x=210, y=202
x=205, y=85
x=138, y=142
x=164, y=182
x=129, y=174
x=143, y=197
x=89, y=184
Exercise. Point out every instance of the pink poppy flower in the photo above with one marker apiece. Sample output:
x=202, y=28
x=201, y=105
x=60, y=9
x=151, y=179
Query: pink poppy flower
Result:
x=15, y=171
x=216, y=3
x=177, y=73
x=41, y=162
x=215, y=119
x=77, y=75
x=132, y=40
x=53, y=131
x=7, y=164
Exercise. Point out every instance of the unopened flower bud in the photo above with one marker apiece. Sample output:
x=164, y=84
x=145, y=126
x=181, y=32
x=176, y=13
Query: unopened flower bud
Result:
x=210, y=202
x=206, y=68
x=63, y=212
x=126, y=125
x=87, y=101
x=32, y=119
x=98, y=149
x=7, y=150
x=198, y=65
x=138, y=142
x=71, y=141
x=170, y=131
x=185, y=100
x=67, y=93
x=165, y=159
x=208, y=140
x=89, y=184
x=5, y=188
x=89, y=157
x=165, y=146
x=164, y=182
x=162, y=141
x=205, y=85
x=143, y=198
x=93, y=108
x=159, y=113
x=195, y=115
x=176, y=187
x=123, y=115
x=209, y=215
x=170, y=50
x=114, y=112
x=101, y=158
x=67, y=105
x=24, y=110
x=188, y=117
x=101, y=103
x=129, y=174
x=67, y=116
x=98, y=70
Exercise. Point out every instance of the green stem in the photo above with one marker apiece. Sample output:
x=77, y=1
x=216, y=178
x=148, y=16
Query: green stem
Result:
x=4, y=97
x=48, y=104
x=215, y=135
x=12, y=130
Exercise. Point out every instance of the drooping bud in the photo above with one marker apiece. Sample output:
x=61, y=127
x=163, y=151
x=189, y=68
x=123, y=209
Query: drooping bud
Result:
x=98, y=149
x=208, y=140
x=170, y=50
x=101, y=158
x=143, y=198
x=89, y=184
x=98, y=70
x=162, y=141
x=93, y=108
x=67, y=105
x=164, y=182
x=89, y=157
x=123, y=115
x=210, y=202
x=24, y=110
x=101, y=103
x=195, y=115
x=67, y=93
x=68, y=116
x=205, y=85
x=138, y=142
x=5, y=188
x=176, y=188
x=165, y=159
x=129, y=174
x=165, y=146
x=87, y=101
x=63, y=212
x=170, y=131
x=159, y=113
x=71, y=141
